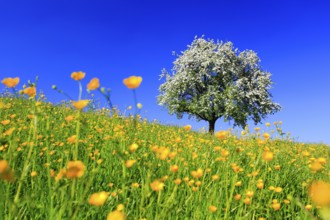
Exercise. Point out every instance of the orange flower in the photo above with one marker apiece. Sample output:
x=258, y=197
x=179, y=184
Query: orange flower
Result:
x=187, y=127
x=98, y=199
x=4, y=167
x=78, y=75
x=80, y=104
x=157, y=185
x=197, y=174
x=132, y=82
x=319, y=192
x=213, y=208
x=177, y=181
x=221, y=134
x=129, y=163
x=93, y=84
x=174, y=168
x=5, y=171
x=10, y=82
x=75, y=169
x=30, y=91
x=116, y=215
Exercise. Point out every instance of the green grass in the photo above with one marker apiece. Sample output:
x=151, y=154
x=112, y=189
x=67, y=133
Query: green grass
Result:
x=39, y=142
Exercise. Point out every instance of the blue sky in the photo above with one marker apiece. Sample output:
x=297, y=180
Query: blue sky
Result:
x=115, y=39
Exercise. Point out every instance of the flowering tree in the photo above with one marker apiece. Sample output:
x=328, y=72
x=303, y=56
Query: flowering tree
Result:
x=211, y=80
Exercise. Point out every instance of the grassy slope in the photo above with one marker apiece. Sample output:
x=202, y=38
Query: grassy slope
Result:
x=40, y=143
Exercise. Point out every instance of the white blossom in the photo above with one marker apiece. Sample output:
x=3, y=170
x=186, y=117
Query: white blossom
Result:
x=212, y=80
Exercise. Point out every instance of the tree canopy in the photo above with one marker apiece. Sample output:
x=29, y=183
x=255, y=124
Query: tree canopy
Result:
x=211, y=80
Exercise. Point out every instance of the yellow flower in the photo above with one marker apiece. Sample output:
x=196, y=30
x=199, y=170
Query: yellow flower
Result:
x=129, y=163
x=5, y=171
x=213, y=208
x=33, y=174
x=69, y=118
x=249, y=193
x=237, y=197
x=319, y=192
x=247, y=201
x=266, y=136
x=268, y=156
x=80, y=104
x=187, y=127
x=157, y=185
x=225, y=153
x=197, y=174
x=177, y=181
x=268, y=124
x=174, y=168
x=215, y=177
x=93, y=84
x=133, y=147
x=4, y=167
x=132, y=82
x=120, y=207
x=30, y=91
x=278, y=189
x=221, y=134
x=10, y=82
x=308, y=207
x=139, y=105
x=5, y=122
x=98, y=199
x=260, y=185
x=316, y=166
x=78, y=75
x=72, y=139
x=75, y=169
x=135, y=185
x=276, y=206
x=116, y=215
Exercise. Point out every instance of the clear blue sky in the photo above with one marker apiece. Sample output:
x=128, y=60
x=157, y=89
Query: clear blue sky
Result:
x=114, y=39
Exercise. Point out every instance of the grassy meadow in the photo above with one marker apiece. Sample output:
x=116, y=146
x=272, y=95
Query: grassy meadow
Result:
x=59, y=162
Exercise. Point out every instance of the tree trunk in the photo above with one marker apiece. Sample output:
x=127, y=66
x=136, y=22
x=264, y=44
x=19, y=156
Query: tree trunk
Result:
x=211, y=126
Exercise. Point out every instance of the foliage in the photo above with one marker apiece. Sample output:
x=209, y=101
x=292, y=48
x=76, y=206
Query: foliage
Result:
x=211, y=80
x=148, y=171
